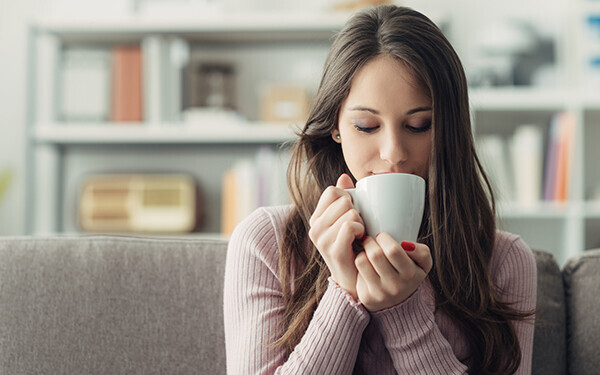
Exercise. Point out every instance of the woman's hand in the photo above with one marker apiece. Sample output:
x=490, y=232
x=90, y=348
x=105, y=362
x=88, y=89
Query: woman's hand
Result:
x=388, y=272
x=334, y=226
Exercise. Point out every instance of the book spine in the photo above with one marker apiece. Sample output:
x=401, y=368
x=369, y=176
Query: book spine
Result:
x=127, y=84
x=152, y=50
x=526, y=151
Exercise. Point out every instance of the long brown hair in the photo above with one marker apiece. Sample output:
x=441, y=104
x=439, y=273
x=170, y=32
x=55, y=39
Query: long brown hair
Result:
x=461, y=236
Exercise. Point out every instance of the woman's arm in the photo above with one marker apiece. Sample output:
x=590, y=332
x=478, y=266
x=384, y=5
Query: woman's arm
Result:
x=414, y=341
x=516, y=277
x=390, y=275
x=253, y=308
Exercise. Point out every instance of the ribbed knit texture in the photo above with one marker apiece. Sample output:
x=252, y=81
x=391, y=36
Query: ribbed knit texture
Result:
x=406, y=339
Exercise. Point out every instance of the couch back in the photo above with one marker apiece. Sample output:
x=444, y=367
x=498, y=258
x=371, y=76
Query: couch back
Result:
x=111, y=305
x=130, y=305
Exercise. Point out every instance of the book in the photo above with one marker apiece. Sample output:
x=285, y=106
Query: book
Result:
x=550, y=169
x=558, y=167
x=127, y=90
x=526, y=149
x=251, y=183
x=564, y=156
x=152, y=51
x=176, y=56
x=229, y=202
x=239, y=194
x=493, y=154
x=85, y=85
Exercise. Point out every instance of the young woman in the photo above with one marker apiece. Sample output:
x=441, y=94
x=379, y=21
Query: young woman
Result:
x=306, y=292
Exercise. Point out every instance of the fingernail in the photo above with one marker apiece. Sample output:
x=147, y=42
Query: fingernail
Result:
x=408, y=246
x=364, y=238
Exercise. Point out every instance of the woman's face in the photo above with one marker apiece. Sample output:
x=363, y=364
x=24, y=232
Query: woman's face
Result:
x=385, y=122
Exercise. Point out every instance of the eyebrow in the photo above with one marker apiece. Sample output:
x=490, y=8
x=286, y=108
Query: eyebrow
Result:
x=376, y=112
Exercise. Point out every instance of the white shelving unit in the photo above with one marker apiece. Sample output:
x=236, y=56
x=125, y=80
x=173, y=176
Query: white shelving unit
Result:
x=567, y=228
x=60, y=152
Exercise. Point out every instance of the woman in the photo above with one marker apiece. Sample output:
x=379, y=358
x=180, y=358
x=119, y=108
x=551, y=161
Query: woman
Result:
x=307, y=292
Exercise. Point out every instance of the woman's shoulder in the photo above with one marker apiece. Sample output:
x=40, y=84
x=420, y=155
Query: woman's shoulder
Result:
x=260, y=233
x=511, y=253
x=272, y=218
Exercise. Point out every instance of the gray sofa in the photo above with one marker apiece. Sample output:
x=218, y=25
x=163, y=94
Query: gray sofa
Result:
x=133, y=305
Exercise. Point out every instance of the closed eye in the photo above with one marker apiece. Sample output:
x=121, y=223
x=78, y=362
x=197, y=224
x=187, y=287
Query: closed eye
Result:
x=365, y=129
x=421, y=128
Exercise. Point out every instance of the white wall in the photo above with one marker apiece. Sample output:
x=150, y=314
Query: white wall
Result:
x=14, y=16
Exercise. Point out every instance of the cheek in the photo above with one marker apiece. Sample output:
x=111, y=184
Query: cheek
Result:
x=423, y=158
x=357, y=155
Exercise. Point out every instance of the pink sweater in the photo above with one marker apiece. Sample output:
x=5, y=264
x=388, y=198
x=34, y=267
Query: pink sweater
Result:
x=406, y=339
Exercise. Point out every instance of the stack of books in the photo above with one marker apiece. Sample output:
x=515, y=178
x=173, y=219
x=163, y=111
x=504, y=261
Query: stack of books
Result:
x=140, y=82
x=531, y=165
x=251, y=183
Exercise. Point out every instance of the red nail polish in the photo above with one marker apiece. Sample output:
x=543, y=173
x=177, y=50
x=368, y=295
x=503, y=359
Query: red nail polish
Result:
x=408, y=246
x=364, y=238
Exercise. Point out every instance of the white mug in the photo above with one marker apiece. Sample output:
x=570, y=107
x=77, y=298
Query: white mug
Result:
x=392, y=203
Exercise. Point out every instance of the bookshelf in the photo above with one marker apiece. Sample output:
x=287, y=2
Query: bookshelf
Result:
x=569, y=227
x=60, y=153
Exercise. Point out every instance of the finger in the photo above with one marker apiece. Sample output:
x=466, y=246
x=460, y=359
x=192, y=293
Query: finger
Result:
x=366, y=270
x=378, y=259
x=394, y=252
x=350, y=230
x=339, y=211
x=344, y=231
x=421, y=255
x=344, y=182
x=332, y=193
x=329, y=195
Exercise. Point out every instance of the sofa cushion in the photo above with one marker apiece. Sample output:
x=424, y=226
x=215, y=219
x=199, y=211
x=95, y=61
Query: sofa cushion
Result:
x=549, y=340
x=582, y=291
x=111, y=305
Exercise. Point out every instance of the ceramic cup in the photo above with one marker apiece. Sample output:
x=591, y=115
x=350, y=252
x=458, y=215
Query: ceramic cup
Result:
x=391, y=203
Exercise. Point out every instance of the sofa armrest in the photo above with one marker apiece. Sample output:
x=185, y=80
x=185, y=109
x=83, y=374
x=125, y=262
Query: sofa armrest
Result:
x=549, y=340
x=582, y=290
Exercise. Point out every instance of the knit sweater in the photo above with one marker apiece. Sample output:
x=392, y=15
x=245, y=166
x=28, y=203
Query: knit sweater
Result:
x=409, y=338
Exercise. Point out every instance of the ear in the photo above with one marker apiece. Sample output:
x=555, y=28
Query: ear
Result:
x=335, y=135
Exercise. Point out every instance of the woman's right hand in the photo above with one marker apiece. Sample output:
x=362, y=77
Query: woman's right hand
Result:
x=334, y=226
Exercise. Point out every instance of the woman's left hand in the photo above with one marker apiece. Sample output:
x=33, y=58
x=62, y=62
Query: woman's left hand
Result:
x=388, y=273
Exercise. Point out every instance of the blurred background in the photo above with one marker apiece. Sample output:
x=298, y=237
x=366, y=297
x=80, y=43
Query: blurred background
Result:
x=171, y=116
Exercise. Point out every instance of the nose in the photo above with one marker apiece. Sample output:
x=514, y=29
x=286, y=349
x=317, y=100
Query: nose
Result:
x=393, y=150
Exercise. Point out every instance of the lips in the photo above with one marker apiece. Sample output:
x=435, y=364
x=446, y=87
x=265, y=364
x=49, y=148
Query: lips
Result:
x=386, y=172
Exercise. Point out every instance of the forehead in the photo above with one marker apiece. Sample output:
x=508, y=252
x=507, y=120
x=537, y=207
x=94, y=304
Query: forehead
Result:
x=386, y=77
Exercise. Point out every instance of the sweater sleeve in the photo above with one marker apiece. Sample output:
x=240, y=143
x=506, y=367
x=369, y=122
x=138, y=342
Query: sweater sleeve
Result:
x=414, y=341
x=253, y=309
x=516, y=278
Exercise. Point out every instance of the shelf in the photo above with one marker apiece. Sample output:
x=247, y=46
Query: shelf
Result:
x=140, y=133
x=220, y=26
x=592, y=210
x=522, y=99
x=590, y=6
x=540, y=210
x=591, y=102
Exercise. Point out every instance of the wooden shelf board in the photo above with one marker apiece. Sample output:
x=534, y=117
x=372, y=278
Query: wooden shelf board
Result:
x=139, y=133
x=235, y=25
